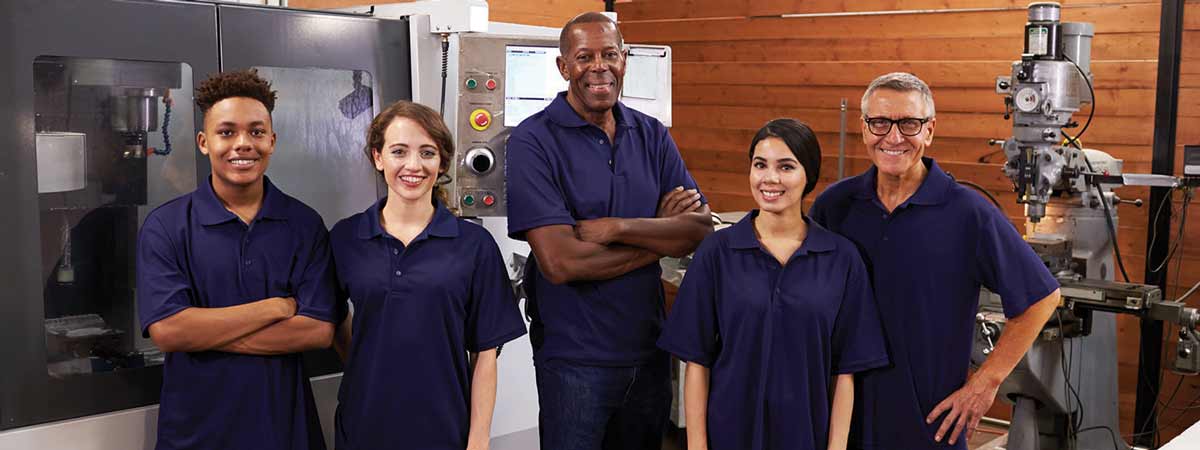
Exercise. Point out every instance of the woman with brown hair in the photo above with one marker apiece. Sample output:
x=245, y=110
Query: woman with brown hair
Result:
x=431, y=298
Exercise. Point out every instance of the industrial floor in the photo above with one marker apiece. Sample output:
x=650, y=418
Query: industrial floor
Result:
x=984, y=439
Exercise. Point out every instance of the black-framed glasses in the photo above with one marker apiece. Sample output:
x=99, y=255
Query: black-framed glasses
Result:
x=909, y=126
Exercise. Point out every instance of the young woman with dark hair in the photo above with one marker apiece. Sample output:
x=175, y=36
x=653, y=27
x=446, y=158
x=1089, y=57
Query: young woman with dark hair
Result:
x=775, y=315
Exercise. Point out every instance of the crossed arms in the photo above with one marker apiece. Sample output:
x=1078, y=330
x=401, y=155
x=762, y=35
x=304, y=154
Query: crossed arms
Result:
x=265, y=327
x=608, y=247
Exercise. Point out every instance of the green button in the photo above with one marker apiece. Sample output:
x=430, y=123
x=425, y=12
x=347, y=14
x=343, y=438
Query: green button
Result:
x=468, y=199
x=471, y=83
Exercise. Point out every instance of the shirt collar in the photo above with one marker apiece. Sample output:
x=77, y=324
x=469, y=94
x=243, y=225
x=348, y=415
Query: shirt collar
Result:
x=562, y=114
x=818, y=240
x=210, y=210
x=931, y=192
x=444, y=224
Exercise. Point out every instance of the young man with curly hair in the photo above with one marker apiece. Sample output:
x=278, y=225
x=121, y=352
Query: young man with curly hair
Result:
x=234, y=281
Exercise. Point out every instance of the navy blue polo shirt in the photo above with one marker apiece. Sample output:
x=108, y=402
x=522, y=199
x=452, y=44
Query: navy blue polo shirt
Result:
x=774, y=335
x=192, y=252
x=418, y=310
x=560, y=169
x=928, y=259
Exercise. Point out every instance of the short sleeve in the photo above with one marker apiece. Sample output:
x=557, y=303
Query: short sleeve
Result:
x=163, y=287
x=674, y=172
x=340, y=239
x=692, y=330
x=535, y=198
x=494, y=316
x=858, y=338
x=315, y=283
x=1008, y=266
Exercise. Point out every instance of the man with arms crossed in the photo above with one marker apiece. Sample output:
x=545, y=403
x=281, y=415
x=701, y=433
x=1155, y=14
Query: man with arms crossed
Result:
x=930, y=244
x=234, y=280
x=600, y=193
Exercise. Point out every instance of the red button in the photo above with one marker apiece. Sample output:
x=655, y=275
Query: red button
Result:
x=490, y=84
x=481, y=119
x=489, y=200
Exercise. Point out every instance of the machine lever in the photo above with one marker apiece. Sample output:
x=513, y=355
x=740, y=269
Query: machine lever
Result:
x=989, y=330
x=1137, y=202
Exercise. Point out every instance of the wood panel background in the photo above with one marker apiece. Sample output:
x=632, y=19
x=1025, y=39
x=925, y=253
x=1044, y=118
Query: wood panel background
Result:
x=739, y=63
x=546, y=13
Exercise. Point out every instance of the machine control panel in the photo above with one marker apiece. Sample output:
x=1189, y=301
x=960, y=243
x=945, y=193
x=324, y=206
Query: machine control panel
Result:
x=502, y=80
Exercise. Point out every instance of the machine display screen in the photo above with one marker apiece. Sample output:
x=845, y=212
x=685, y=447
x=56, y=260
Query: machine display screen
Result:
x=531, y=81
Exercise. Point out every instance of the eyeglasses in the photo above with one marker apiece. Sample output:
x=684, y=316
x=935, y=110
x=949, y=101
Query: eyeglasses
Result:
x=909, y=126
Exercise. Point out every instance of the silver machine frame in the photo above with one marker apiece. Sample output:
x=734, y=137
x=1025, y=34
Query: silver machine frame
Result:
x=1068, y=379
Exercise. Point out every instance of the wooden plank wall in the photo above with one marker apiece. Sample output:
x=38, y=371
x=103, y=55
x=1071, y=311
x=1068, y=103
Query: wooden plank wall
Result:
x=738, y=64
x=547, y=13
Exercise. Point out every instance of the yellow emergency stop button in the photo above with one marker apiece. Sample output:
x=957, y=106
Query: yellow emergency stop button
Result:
x=480, y=119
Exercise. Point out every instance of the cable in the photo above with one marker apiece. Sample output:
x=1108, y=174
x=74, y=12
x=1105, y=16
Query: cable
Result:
x=1182, y=411
x=1065, y=366
x=1183, y=214
x=445, y=66
x=983, y=190
x=1112, y=227
x=1074, y=140
x=1188, y=293
x=1154, y=235
x=1076, y=422
x=166, y=125
x=1092, y=111
x=1106, y=428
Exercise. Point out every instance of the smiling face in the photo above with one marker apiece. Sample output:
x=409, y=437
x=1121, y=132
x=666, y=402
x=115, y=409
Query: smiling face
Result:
x=593, y=63
x=238, y=140
x=777, y=178
x=895, y=154
x=409, y=160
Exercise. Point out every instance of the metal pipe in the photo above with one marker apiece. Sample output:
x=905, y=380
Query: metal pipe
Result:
x=1166, y=106
x=995, y=422
x=842, y=143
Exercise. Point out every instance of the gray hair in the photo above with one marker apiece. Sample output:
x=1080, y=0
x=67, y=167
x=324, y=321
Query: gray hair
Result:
x=900, y=82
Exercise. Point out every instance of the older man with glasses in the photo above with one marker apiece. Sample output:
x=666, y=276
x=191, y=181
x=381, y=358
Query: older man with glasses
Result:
x=929, y=244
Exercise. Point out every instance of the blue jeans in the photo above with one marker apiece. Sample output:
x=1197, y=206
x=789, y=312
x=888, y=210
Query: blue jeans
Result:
x=603, y=408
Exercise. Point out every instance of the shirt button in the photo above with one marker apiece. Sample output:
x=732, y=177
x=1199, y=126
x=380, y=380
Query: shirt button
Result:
x=776, y=290
x=249, y=262
x=885, y=238
x=395, y=251
x=398, y=273
x=600, y=141
x=885, y=216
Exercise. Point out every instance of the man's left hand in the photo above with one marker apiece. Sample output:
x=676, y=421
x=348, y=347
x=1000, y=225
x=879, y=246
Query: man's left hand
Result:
x=964, y=408
x=601, y=231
